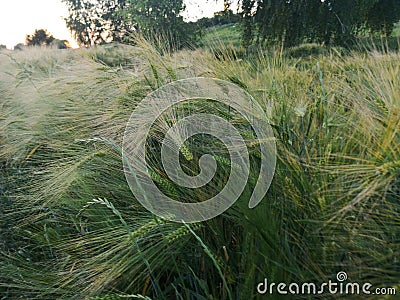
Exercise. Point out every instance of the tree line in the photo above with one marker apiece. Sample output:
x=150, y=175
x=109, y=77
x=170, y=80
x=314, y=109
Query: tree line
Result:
x=102, y=21
x=324, y=21
x=287, y=22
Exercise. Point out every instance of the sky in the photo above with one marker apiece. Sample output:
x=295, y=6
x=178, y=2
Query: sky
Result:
x=21, y=17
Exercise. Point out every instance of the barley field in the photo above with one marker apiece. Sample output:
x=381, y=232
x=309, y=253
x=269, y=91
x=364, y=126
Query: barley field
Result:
x=71, y=228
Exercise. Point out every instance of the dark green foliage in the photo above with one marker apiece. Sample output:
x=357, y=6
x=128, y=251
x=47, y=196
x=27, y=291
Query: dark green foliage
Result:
x=383, y=15
x=103, y=21
x=161, y=21
x=60, y=44
x=39, y=38
x=43, y=38
x=298, y=21
x=19, y=46
x=248, y=26
x=97, y=22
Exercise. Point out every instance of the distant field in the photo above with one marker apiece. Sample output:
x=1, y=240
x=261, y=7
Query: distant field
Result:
x=228, y=35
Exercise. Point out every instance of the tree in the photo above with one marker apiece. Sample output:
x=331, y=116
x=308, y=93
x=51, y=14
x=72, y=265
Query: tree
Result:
x=61, y=44
x=292, y=22
x=97, y=22
x=40, y=38
x=161, y=19
x=19, y=46
x=383, y=15
x=247, y=19
x=226, y=16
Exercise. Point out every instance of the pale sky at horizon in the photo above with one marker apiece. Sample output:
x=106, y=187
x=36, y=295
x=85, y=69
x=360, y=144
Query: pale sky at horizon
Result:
x=21, y=17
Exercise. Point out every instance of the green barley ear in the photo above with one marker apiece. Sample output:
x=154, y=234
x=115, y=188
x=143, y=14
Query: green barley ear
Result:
x=182, y=231
x=164, y=183
x=156, y=76
x=186, y=152
x=171, y=73
x=143, y=230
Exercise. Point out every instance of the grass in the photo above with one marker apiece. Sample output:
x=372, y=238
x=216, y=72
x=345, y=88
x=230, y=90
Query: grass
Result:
x=228, y=34
x=71, y=228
